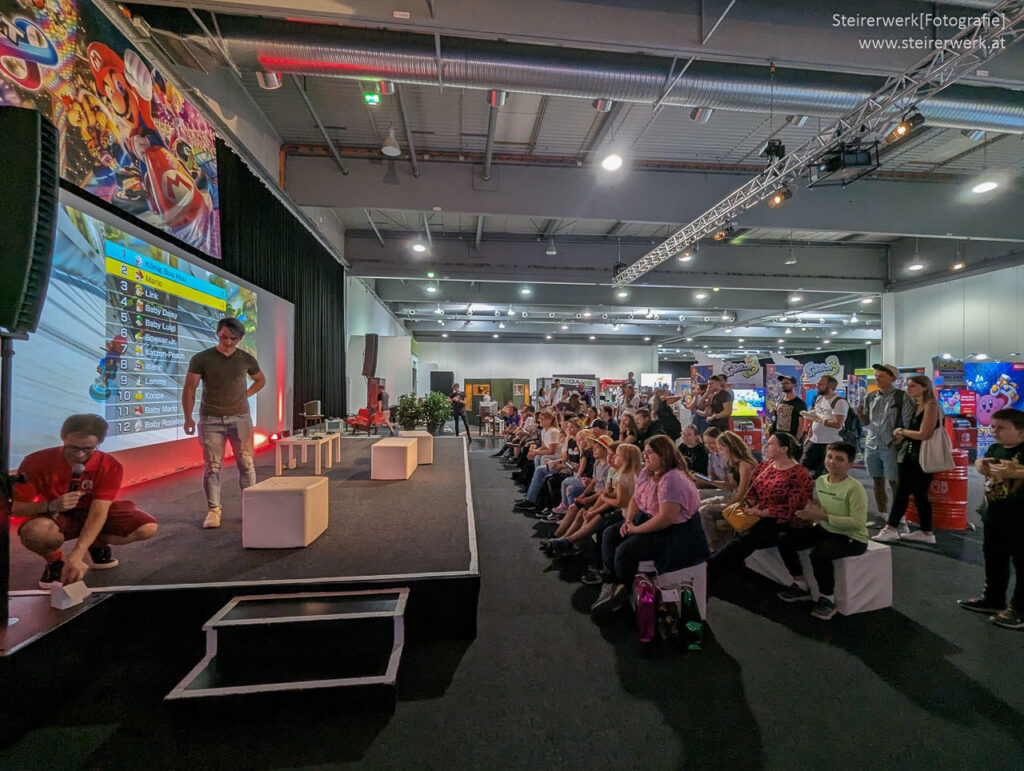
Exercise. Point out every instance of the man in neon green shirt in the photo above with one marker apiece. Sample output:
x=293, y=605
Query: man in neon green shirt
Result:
x=838, y=517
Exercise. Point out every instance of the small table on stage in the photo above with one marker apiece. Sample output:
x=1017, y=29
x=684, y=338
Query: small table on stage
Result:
x=318, y=443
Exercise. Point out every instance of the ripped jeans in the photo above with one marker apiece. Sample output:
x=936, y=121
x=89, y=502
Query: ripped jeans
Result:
x=213, y=430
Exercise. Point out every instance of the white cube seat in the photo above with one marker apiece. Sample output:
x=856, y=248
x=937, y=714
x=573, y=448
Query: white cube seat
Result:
x=424, y=445
x=393, y=458
x=284, y=512
x=863, y=582
x=696, y=576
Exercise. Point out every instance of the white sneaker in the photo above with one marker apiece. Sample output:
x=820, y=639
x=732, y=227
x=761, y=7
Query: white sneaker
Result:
x=919, y=536
x=903, y=527
x=212, y=518
x=886, y=534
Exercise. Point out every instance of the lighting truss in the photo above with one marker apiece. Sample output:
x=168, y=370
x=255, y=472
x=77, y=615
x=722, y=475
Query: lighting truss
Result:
x=961, y=56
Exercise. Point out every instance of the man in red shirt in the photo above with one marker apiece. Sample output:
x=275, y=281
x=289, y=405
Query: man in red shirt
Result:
x=69, y=493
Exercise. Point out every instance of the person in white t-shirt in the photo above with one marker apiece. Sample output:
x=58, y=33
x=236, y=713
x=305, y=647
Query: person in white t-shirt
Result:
x=827, y=418
x=558, y=393
x=630, y=402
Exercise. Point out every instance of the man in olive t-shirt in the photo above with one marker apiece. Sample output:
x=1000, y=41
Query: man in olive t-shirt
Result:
x=224, y=412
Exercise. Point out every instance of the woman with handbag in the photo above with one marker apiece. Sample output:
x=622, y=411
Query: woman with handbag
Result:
x=660, y=524
x=780, y=488
x=739, y=466
x=914, y=480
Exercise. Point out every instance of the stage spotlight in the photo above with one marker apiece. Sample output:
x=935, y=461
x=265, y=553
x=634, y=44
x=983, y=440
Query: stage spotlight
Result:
x=773, y=150
x=779, y=197
x=905, y=126
x=724, y=232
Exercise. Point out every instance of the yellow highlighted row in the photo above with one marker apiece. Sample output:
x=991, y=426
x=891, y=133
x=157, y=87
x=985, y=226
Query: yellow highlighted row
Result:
x=140, y=276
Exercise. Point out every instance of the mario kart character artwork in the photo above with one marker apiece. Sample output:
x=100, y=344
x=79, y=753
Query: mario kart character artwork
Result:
x=107, y=369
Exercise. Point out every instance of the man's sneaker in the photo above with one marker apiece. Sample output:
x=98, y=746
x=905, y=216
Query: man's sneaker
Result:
x=886, y=535
x=541, y=513
x=918, y=536
x=525, y=505
x=591, y=577
x=824, y=609
x=554, y=516
x=51, y=575
x=101, y=557
x=795, y=594
x=1008, y=618
x=981, y=605
x=212, y=517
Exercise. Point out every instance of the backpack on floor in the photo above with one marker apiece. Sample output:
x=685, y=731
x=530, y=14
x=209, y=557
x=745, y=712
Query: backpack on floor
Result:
x=646, y=594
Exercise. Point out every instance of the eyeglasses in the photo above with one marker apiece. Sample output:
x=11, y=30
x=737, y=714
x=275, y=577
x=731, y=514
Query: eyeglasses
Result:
x=76, y=448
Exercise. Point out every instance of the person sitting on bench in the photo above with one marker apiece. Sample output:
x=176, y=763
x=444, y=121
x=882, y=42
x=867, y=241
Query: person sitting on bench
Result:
x=839, y=511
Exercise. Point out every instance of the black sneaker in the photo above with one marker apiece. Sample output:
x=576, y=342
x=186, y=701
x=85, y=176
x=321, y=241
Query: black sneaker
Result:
x=824, y=608
x=591, y=577
x=102, y=558
x=524, y=505
x=981, y=605
x=1008, y=618
x=51, y=575
x=795, y=594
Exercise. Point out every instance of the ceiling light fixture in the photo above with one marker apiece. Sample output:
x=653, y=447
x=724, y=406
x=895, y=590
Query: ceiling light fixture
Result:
x=724, y=232
x=586, y=314
x=779, y=197
x=438, y=310
x=701, y=296
x=431, y=289
x=419, y=247
x=915, y=266
x=622, y=294
x=510, y=311
x=612, y=162
x=867, y=301
x=444, y=334
x=495, y=335
x=565, y=327
x=796, y=298
x=984, y=187
x=958, y=266
x=547, y=337
x=551, y=251
x=526, y=291
x=390, y=147
x=647, y=339
x=501, y=325
x=593, y=338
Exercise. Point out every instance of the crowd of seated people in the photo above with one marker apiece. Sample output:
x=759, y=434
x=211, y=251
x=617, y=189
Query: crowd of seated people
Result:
x=619, y=491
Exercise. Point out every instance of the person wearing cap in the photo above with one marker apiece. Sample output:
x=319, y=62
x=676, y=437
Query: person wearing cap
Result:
x=882, y=412
x=786, y=414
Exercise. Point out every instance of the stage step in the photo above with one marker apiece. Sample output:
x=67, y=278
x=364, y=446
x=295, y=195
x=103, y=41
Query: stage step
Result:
x=300, y=642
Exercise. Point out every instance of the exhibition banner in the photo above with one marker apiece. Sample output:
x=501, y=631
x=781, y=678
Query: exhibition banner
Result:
x=814, y=370
x=746, y=373
x=996, y=386
x=126, y=134
x=772, y=386
x=948, y=372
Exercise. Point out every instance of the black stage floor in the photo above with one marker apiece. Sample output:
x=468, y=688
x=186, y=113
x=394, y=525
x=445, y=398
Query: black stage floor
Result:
x=422, y=525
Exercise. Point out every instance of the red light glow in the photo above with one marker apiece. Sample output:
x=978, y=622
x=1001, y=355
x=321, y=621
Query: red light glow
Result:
x=259, y=439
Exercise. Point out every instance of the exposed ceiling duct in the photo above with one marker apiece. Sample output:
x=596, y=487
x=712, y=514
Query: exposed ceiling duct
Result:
x=261, y=45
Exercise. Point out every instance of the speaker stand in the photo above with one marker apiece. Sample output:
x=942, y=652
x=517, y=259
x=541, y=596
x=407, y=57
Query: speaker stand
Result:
x=6, y=480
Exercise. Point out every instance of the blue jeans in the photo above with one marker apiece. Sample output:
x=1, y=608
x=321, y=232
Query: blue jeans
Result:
x=571, y=488
x=537, y=483
x=675, y=547
x=236, y=429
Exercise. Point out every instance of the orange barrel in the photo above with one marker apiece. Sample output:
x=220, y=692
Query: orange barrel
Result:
x=948, y=495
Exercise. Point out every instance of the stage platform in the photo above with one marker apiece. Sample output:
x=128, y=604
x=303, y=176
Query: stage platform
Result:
x=416, y=528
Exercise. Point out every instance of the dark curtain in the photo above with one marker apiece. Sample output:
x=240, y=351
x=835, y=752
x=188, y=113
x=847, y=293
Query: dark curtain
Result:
x=263, y=243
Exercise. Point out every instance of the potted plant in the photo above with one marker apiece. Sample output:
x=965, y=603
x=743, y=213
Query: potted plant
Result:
x=437, y=409
x=409, y=411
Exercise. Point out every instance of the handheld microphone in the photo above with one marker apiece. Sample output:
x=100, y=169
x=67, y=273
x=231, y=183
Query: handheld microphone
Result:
x=76, y=475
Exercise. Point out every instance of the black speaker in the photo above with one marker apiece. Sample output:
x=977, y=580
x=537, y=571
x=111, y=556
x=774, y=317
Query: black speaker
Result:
x=370, y=356
x=442, y=381
x=29, y=177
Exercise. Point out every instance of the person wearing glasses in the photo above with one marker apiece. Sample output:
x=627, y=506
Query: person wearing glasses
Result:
x=224, y=412
x=70, y=492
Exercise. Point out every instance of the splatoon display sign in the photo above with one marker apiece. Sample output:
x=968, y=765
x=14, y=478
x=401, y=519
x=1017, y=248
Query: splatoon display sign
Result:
x=126, y=134
x=997, y=386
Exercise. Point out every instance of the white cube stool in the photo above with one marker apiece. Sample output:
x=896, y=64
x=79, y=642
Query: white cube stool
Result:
x=863, y=582
x=393, y=458
x=424, y=445
x=696, y=577
x=284, y=512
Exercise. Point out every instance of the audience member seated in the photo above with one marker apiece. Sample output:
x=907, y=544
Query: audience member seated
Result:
x=569, y=516
x=608, y=416
x=547, y=446
x=589, y=416
x=739, y=471
x=546, y=466
x=646, y=426
x=582, y=476
x=660, y=524
x=694, y=451
x=628, y=432
x=780, y=488
x=839, y=516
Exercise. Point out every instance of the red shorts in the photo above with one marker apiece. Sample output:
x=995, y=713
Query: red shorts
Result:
x=123, y=519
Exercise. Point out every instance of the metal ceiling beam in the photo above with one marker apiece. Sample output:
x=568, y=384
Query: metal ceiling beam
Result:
x=319, y=125
x=376, y=232
x=544, y=193
x=426, y=228
x=900, y=94
x=479, y=231
x=408, y=131
x=492, y=125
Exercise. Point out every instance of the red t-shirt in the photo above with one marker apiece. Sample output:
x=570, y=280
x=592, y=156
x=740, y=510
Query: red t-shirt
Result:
x=781, y=493
x=48, y=476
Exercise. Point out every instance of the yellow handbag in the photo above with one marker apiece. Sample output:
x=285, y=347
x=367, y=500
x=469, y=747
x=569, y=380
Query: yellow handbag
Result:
x=735, y=516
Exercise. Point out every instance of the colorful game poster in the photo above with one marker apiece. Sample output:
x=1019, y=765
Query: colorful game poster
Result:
x=772, y=386
x=126, y=134
x=701, y=373
x=997, y=386
x=746, y=373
